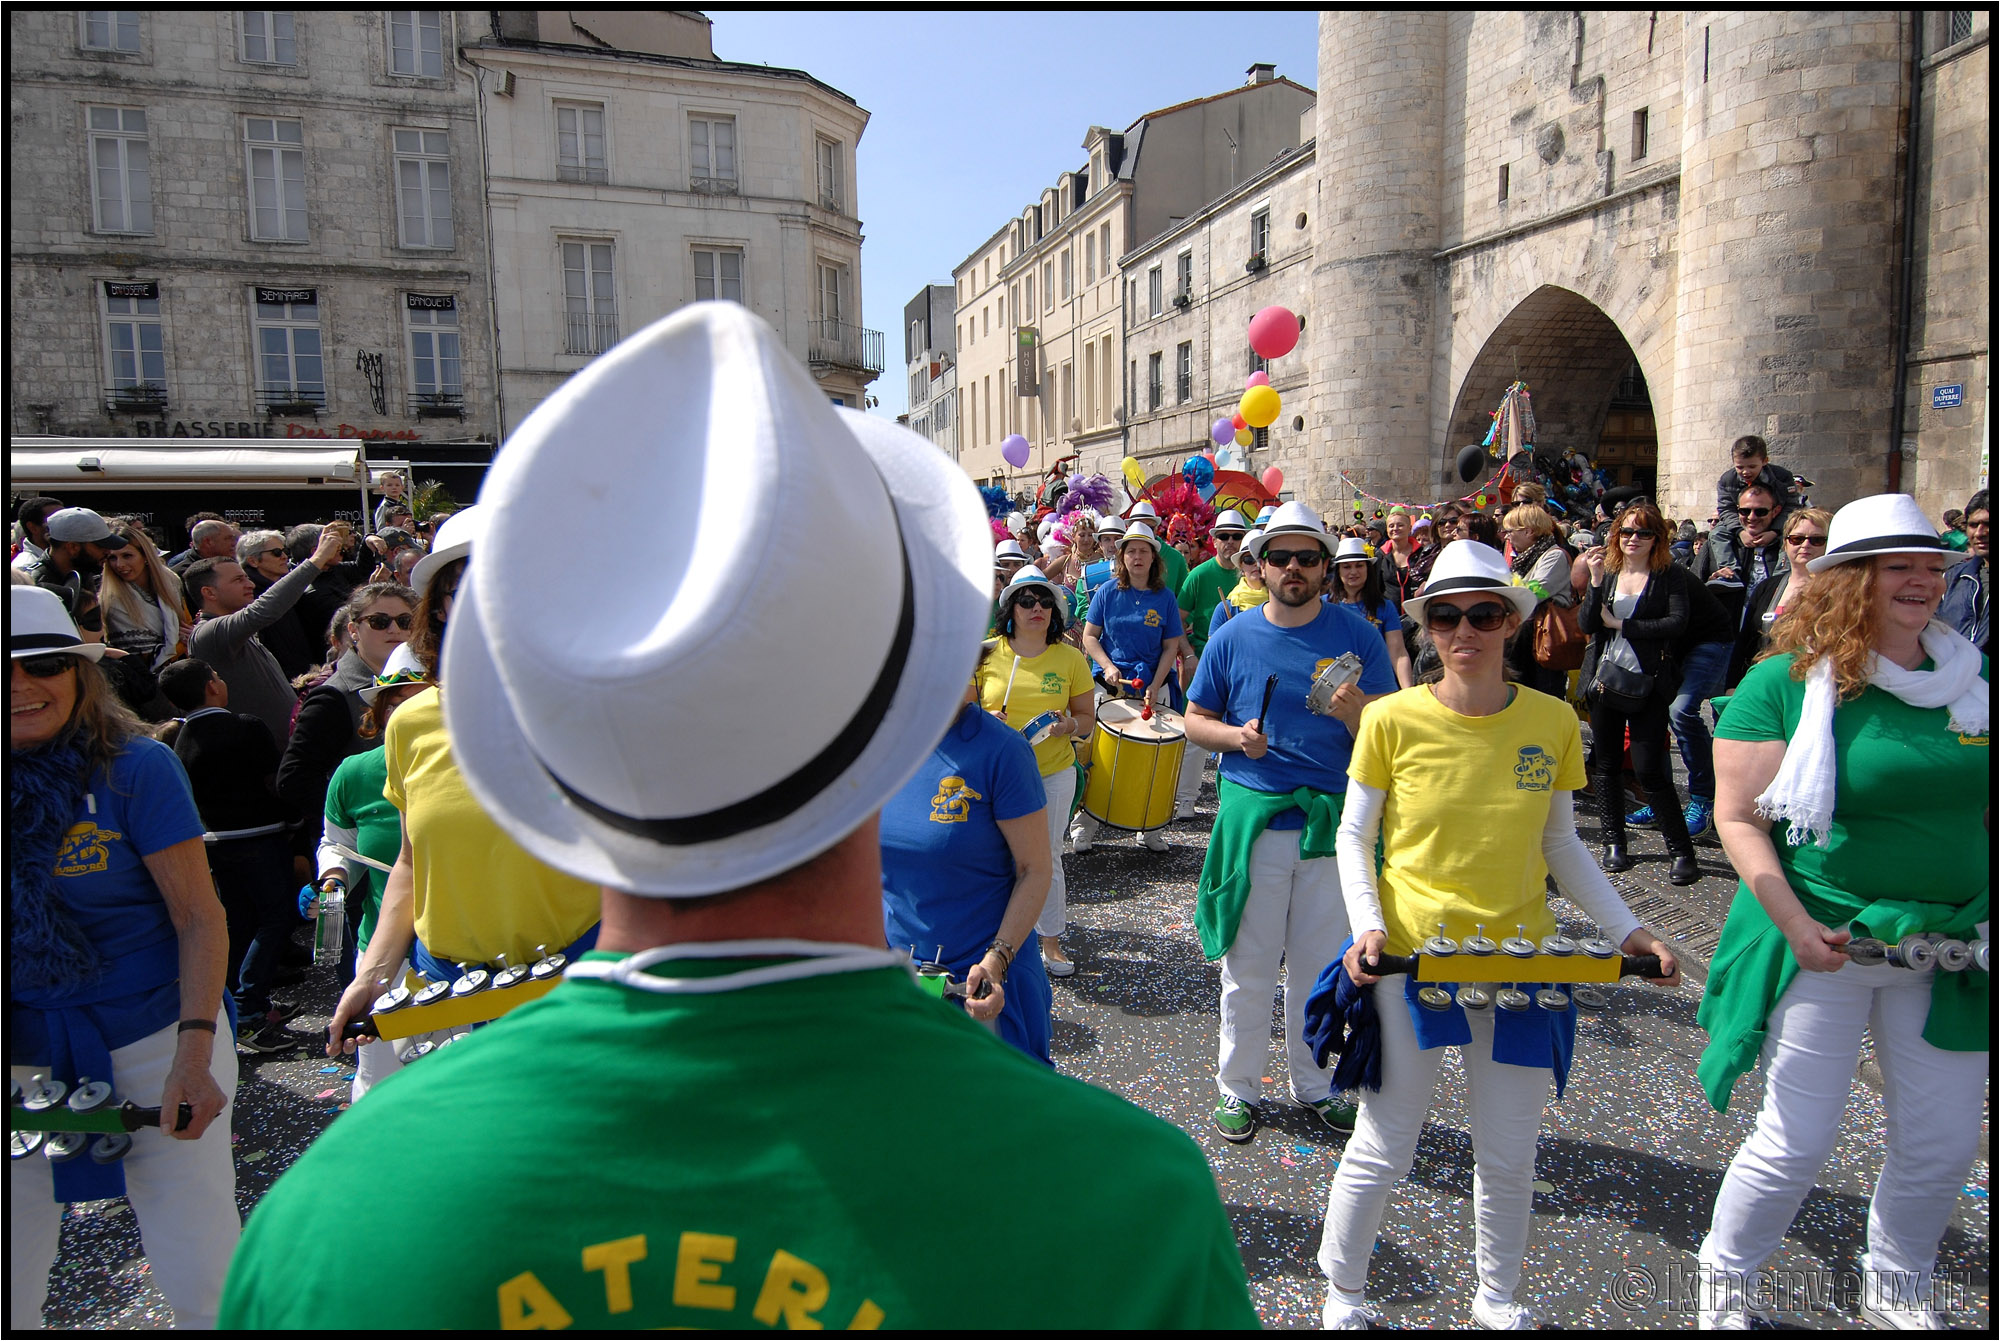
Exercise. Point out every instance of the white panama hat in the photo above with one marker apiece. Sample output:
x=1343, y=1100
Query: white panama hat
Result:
x=1877, y=524
x=1112, y=525
x=1243, y=550
x=38, y=625
x=1141, y=532
x=1031, y=576
x=1353, y=549
x=1230, y=520
x=1289, y=521
x=1142, y=510
x=454, y=541
x=1009, y=550
x=1466, y=567
x=662, y=737
x=402, y=668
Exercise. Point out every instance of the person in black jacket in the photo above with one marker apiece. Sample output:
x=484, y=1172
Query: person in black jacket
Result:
x=379, y=617
x=1640, y=597
x=231, y=763
x=1805, y=540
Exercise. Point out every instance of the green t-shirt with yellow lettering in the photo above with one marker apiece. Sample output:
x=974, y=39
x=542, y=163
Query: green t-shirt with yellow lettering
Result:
x=839, y=1151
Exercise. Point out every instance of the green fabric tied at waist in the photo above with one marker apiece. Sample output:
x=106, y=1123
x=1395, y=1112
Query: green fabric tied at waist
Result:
x=1242, y=815
x=1754, y=965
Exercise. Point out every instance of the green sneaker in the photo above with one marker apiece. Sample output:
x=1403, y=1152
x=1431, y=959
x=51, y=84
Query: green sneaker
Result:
x=1235, y=1119
x=1335, y=1114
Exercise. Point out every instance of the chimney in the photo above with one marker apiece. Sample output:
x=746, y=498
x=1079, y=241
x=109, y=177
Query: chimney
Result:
x=1263, y=73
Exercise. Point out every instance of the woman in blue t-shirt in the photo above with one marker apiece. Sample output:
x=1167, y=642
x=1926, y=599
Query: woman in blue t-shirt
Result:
x=1357, y=581
x=116, y=954
x=1133, y=635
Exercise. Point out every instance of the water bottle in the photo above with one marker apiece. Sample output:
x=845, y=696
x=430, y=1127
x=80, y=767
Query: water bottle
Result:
x=330, y=931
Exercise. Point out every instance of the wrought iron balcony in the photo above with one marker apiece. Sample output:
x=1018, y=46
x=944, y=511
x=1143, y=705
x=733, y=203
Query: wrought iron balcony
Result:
x=838, y=344
x=437, y=404
x=305, y=398
x=141, y=399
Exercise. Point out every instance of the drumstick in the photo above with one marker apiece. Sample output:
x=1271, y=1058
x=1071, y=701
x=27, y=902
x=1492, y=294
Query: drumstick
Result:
x=1010, y=686
x=1270, y=688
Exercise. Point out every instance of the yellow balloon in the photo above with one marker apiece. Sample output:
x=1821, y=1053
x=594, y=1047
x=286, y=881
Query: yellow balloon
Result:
x=1135, y=474
x=1244, y=437
x=1259, y=407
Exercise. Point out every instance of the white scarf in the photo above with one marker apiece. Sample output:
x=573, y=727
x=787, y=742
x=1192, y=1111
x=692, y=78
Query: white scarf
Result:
x=1802, y=793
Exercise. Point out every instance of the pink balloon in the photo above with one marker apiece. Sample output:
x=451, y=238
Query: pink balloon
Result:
x=1274, y=332
x=1257, y=379
x=1274, y=479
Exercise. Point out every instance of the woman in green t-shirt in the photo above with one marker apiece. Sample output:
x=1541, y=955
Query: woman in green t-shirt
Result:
x=1864, y=732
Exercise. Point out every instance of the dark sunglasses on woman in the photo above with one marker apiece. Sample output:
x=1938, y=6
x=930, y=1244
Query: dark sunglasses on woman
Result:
x=1034, y=600
x=1485, y=617
x=380, y=622
x=46, y=667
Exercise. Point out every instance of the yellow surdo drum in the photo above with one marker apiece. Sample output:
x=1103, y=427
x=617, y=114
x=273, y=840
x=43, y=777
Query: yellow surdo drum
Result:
x=1135, y=764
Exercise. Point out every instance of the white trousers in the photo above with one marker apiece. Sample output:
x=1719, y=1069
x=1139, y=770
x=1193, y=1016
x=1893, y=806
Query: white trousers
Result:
x=1295, y=915
x=373, y=1061
x=1932, y=1099
x=1505, y=1103
x=183, y=1193
x=1189, y=786
x=1060, y=790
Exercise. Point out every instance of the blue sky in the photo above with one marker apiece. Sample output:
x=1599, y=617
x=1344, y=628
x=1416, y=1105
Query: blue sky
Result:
x=973, y=113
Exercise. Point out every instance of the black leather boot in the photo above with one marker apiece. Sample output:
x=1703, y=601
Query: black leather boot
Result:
x=1673, y=827
x=1611, y=822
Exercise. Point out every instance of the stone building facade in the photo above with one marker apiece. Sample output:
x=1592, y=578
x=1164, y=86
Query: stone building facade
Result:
x=1703, y=208
x=930, y=357
x=1043, y=302
x=247, y=224
x=631, y=172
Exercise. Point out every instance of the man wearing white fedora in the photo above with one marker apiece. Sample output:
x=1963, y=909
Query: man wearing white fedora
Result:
x=1270, y=890
x=737, y=1109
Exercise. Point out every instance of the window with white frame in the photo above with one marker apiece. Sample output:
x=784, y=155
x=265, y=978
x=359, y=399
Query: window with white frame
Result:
x=1090, y=408
x=828, y=157
x=269, y=37
x=712, y=154
x=1104, y=247
x=1154, y=297
x=416, y=43
x=276, y=150
x=134, y=343
x=290, y=369
x=590, y=309
x=1048, y=286
x=1107, y=368
x=833, y=292
x=1067, y=271
x=121, y=181
x=108, y=30
x=1090, y=258
x=1184, y=274
x=718, y=273
x=1260, y=233
x=435, y=381
x=1029, y=310
x=423, y=188
x=580, y=142
x=1184, y=372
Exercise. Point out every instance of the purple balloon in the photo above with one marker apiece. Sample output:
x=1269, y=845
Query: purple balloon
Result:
x=1014, y=450
x=1224, y=432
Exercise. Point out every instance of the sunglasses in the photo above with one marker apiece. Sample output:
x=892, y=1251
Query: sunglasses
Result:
x=1033, y=600
x=266, y=553
x=1630, y=531
x=46, y=667
x=1756, y=512
x=1814, y=541
x=380, y=622
x=1285, y=558
x=1444, y=618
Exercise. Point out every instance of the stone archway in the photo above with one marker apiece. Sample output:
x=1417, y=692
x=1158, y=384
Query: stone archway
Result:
x=1589, y=393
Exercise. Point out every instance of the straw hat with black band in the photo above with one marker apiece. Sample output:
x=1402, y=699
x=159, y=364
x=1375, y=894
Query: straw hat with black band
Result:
x=1880, y=524
x=1468, y=568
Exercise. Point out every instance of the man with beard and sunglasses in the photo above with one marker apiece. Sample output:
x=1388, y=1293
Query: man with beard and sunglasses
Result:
x=1270, y=890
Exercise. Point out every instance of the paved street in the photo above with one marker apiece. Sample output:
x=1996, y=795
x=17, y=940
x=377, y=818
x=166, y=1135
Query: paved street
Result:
x=1629, y=1162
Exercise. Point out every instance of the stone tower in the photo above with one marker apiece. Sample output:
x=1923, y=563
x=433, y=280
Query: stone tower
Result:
x=1790, y=191
x=1380, y=125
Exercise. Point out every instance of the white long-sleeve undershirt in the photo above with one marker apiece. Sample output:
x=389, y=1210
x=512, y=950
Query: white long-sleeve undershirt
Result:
x=1577, y=873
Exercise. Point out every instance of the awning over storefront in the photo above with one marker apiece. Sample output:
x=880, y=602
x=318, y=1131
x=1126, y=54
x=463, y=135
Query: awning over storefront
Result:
x=61, y=465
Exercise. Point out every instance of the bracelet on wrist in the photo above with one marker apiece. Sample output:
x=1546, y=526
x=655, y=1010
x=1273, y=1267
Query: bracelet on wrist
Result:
x=188, y=1026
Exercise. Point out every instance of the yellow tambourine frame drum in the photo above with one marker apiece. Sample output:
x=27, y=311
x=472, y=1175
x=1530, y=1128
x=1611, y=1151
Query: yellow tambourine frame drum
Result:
x=1135, y=764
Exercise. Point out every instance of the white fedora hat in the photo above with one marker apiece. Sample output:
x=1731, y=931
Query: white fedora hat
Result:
x=1142, y=532
x=1243, y=550
x=454, y=541
x=1230, y=520
x=1877, y=524
x=38, y=625
x=659, y=737
x=1466, y=568
x=1112, y=525
x=1289, y=521
x=1031, y=576
x=1143, y=510
x=1353, y=548
x=400, y=669
x=1264, y=513
x=1009, y=549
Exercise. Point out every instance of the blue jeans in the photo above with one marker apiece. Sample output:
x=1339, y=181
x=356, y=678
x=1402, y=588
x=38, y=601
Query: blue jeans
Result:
x=1702, y=675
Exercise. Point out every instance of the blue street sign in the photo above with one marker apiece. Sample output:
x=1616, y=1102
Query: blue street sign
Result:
x=1948, y=397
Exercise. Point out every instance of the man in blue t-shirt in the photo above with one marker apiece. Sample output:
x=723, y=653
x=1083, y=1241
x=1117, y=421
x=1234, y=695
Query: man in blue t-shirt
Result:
x=966, y=866
x=1269, y=890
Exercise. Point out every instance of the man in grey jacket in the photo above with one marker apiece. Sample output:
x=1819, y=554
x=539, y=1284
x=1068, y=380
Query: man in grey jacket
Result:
x=232, y=614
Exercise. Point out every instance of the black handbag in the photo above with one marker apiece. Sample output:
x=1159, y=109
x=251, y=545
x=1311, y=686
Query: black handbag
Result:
x=1617, y=678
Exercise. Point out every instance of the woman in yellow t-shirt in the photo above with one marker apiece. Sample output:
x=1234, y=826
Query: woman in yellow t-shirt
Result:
x=462, y=891
x=1469, y=782
x=1026, y=678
